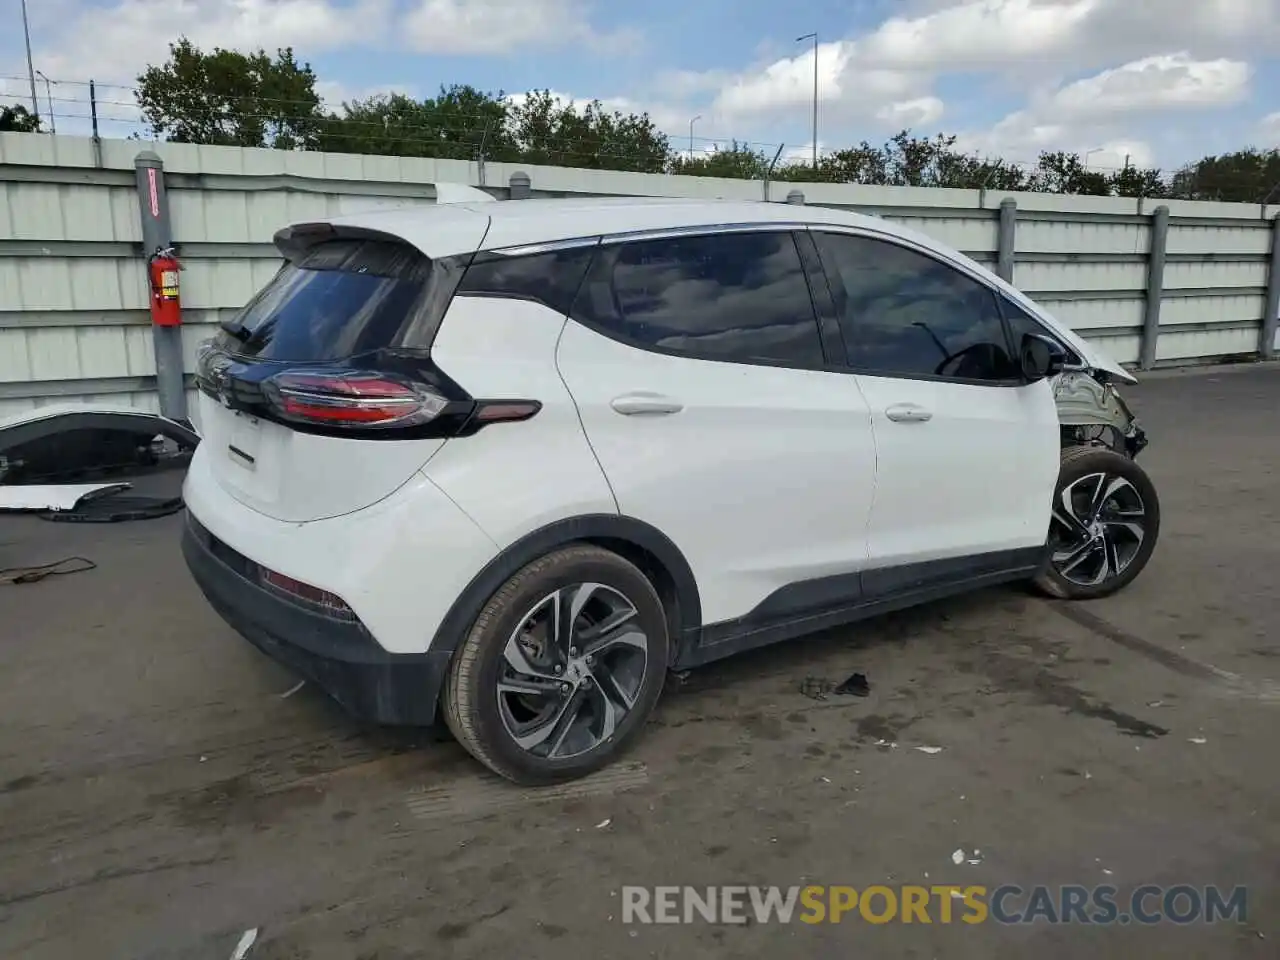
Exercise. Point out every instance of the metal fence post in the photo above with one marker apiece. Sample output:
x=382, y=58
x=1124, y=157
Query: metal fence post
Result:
x=1006, y=239
x=521, y=186
x=796, y=197
x=157, y=234
x=1155, y=287
x=1267, y=338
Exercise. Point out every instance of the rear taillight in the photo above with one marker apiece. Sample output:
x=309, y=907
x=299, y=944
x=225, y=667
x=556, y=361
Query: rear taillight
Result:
x=353, y=399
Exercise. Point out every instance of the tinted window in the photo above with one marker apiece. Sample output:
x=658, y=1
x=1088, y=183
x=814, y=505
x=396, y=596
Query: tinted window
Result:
x=343, y=298
x=551, y=279
x=908, y=314
x=737, y=296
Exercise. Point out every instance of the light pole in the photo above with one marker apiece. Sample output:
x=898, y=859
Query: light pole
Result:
x=691, y=123
x=31, y=73
x=814, y=38
x=48, y=95
x=1089, y=153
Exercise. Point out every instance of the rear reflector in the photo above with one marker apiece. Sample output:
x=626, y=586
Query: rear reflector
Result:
x=506, y=411
x=329, y=603
x=352, y=399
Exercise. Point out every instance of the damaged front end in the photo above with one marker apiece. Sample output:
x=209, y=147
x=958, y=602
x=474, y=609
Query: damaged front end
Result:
x=1091, y=412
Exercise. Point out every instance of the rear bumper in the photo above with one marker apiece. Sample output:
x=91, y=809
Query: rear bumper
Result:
x=338, y=656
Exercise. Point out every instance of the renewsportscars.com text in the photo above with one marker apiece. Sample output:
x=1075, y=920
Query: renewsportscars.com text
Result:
x=937, y=903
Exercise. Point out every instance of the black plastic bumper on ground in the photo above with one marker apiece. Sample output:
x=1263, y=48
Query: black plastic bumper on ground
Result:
x=339, y=657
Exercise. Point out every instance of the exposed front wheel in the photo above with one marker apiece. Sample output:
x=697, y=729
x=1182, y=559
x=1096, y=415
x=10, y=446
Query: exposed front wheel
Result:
x=561, y=669
x=1104, y=527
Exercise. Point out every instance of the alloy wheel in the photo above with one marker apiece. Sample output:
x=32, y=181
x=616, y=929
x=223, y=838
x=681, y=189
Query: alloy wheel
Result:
x=572, y=671
x=1099, y=525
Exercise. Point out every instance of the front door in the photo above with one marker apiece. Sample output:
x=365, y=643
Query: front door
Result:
x=967, y=451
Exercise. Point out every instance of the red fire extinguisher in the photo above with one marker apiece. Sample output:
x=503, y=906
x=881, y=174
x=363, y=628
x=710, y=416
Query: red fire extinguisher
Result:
x=166, y=308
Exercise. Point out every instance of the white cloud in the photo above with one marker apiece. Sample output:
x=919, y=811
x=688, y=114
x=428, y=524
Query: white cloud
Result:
x=1269, y=130
x=920, y=112
x=114, y=44
x=1073, y=34
x=789, y=83
x=1095, y=115
x=487, y=27
x=981, y=33
x=1153, y=83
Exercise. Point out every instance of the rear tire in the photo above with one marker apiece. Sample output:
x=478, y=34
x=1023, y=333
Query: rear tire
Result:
x=1105, y=525
x=561, y=668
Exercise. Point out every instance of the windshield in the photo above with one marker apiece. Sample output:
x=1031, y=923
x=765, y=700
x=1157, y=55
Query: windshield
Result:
x=344, y=298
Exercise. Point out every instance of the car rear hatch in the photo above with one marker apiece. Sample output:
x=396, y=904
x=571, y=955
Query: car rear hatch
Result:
x=320, y=398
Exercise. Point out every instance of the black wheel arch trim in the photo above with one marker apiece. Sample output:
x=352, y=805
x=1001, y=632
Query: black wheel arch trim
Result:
x=587, y=528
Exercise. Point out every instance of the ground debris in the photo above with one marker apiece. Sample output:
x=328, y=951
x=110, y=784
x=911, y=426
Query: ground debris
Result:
x=819, y=688
x=246, y=944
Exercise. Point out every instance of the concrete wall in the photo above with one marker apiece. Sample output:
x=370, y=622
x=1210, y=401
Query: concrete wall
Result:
x=73, y=302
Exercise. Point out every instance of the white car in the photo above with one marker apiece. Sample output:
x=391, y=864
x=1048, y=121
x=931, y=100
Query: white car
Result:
x=512, y=462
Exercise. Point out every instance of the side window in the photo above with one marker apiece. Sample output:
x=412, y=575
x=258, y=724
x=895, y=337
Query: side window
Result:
x=550, y=278
x=1021, y=323
x=738, y=297
x=906, y=314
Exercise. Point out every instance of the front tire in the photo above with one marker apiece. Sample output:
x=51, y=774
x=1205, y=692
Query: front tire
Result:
x=1104, y=528
x=561, y=668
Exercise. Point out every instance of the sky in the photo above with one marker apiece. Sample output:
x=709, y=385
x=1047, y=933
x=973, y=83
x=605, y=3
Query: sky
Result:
x=1160, y=82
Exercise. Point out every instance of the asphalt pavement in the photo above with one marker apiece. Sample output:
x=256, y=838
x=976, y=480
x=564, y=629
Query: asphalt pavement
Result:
x=164, y=788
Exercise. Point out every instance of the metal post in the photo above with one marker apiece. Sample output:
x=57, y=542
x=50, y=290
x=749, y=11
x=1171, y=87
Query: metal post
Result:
x=814, y=38
x=521, y=186
x=31, y=67
x=1155, y=287
x=48, y=95
x=1006, y=239
x=93, y=115
x=1267, y=341
x=815, y=101
x=157, y=234
x=764, y=187
x=796, y=197
x=691, y=123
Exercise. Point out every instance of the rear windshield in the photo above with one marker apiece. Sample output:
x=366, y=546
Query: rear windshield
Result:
x=342, y=299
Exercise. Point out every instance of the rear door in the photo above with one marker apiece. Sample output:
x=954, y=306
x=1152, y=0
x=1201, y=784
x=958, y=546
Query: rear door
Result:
x=699, y=371
x=967, y=452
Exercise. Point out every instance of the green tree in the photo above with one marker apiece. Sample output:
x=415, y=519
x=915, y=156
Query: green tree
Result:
x=738, y=162
x=1061, y=172
x=16, y=119
x=908, y=161
x=1136, y=182
x=547, y=130
x=231, y=98
x=459, y=124
x=1246, y=176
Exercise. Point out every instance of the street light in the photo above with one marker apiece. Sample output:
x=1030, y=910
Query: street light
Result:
x=31, y=74
x=48, y=95
x=1089, y=153
x=691, y=123
x=814, y=38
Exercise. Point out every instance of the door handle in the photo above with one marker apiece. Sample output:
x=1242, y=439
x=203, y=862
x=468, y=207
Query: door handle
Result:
x=908, y=413
x=645, y=404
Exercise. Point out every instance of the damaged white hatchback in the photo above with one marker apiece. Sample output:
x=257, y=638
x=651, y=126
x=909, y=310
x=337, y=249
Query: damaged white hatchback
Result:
x=510, y=463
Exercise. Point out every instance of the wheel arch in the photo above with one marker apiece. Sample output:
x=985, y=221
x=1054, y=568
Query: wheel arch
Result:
x=636, y=541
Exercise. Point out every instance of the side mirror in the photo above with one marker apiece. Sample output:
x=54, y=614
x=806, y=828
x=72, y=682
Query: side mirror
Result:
x=1040, y=357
